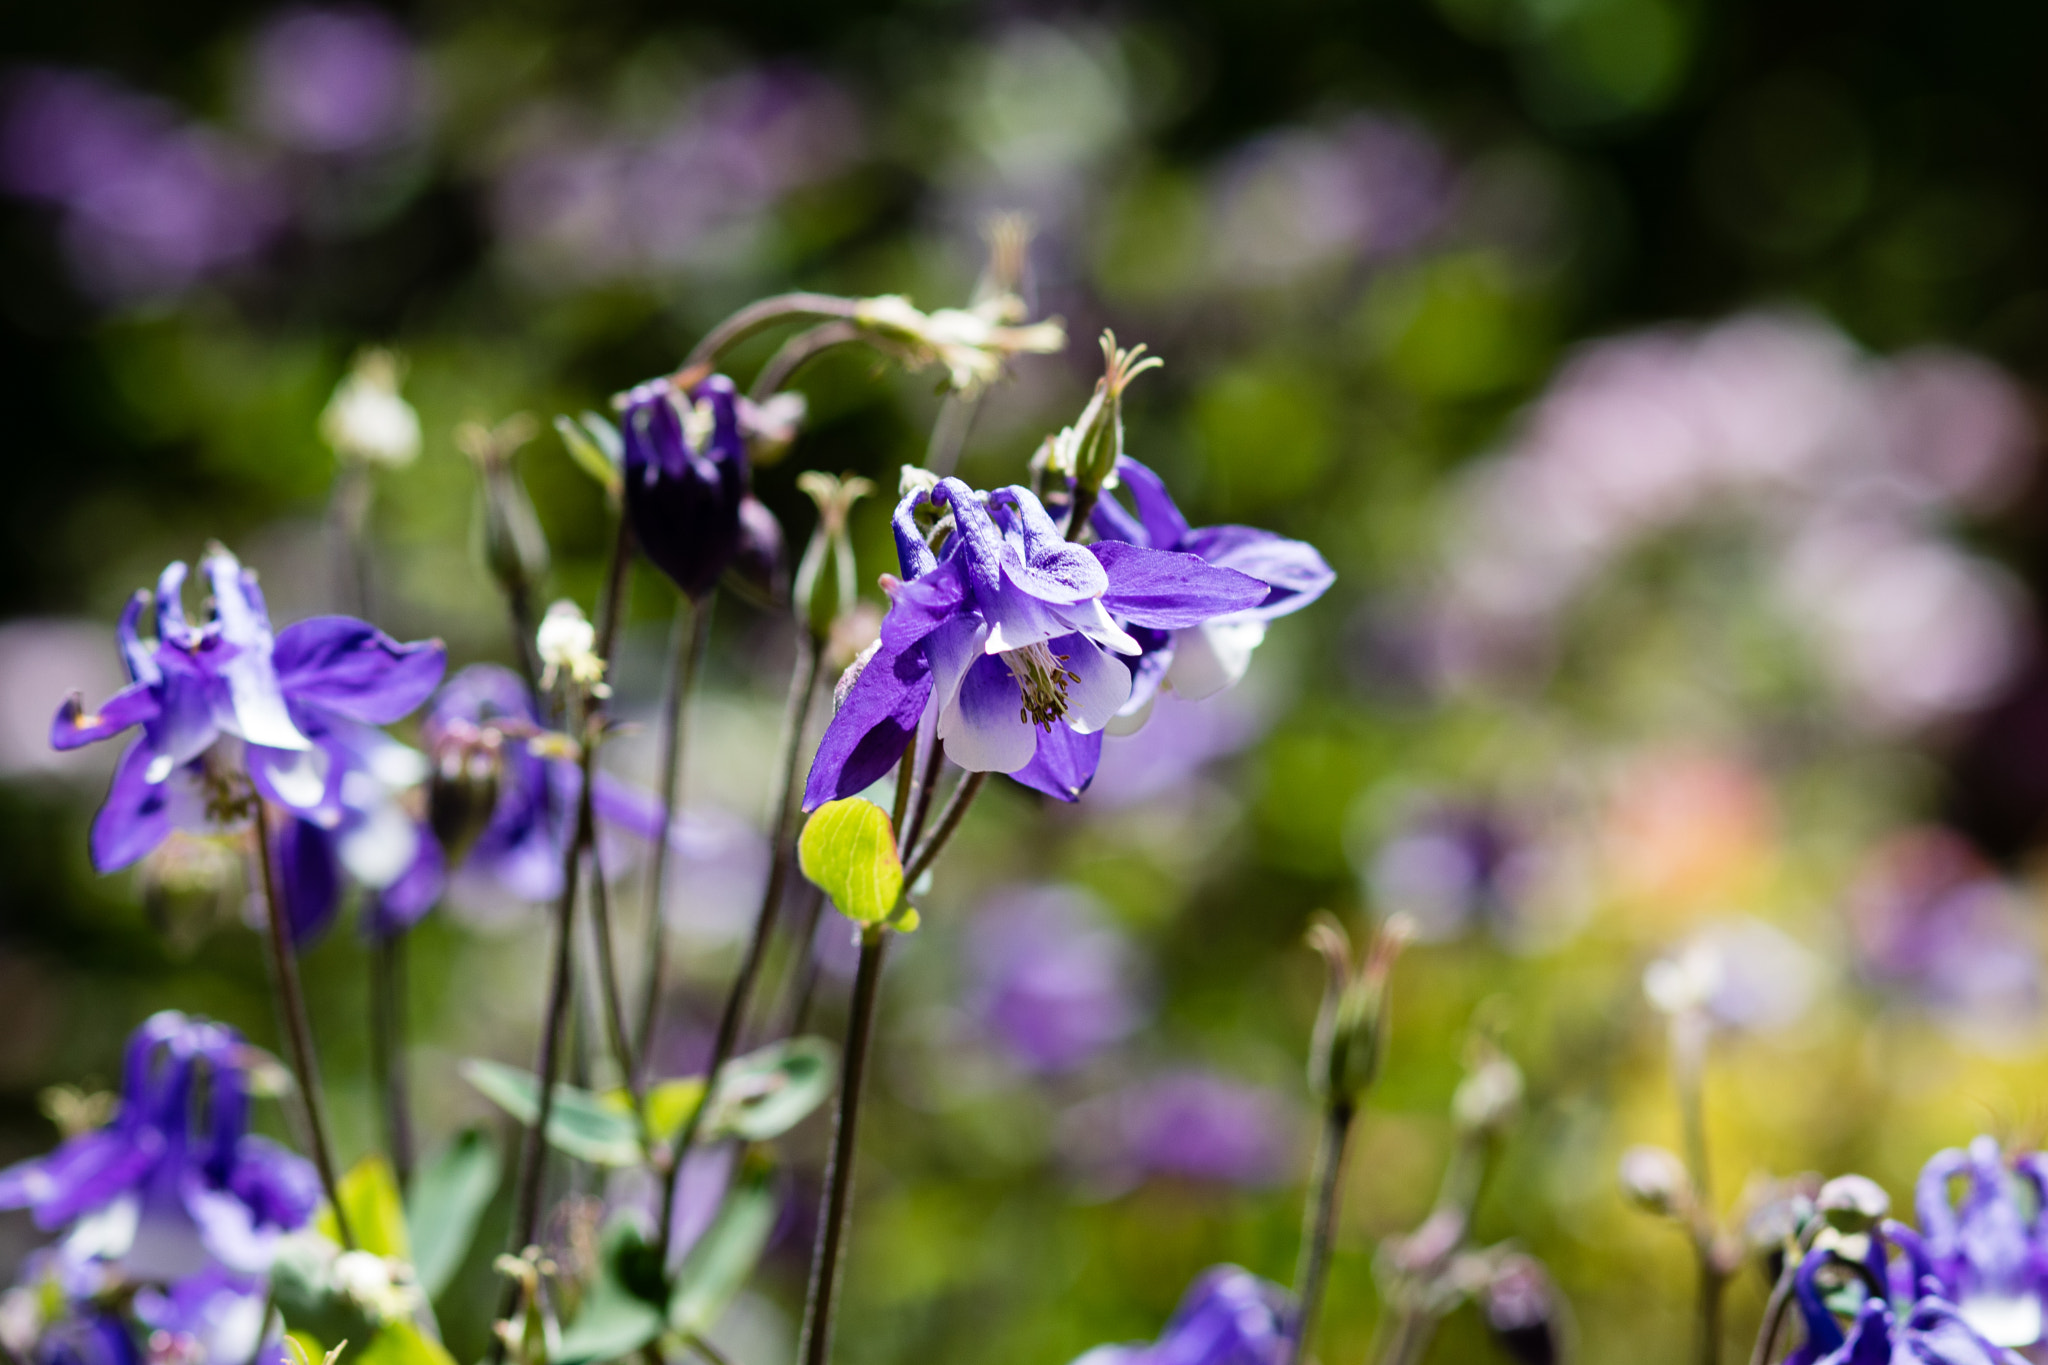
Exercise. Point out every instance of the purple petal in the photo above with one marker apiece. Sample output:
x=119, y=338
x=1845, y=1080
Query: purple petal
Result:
x=1050, y=567
x=922, y=605
x=352, y=668
x=985, y=729
x=1149, y=669
x=280, y=1187
x=304, y=781
x=81, y=1175
x=1170, y=591
x=139, y=658
x=190, y=699
x=170, y=604
x=1064, y=764
x=308, y=878
x=73, y=728
x=1165, y=527
x=913, y=556
x=625, y=807
x=873, y=727
x=251, y=677
x=418, y=889
x=135, y=817
x=481, y=692
x=1100, y=685
x=1294, y=569
x=975, y=543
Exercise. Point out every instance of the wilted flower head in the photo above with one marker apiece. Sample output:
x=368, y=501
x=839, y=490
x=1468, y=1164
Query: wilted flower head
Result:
x=176, y=1181
x=368, y=419
x=971, y=344
x=1228, y=1317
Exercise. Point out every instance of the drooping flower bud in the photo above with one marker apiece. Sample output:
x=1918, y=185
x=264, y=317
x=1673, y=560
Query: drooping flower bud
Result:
x=1853, y=1203
x=1520, y=1305
x=462, y=785
x=367, y=419
x=1350, y=1036
x=760, y=567
x=686, y=478
x=1654, y=1180
x=509, y=538
x=1490, y=1096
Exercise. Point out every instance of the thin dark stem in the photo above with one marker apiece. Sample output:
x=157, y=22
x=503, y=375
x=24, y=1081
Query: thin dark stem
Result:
x=949, y=433
x=353, y=492
x=697, y=1343
x=1320, y=1229
x=799, y=351
x=1688, y=1065
x=298, y=1028
x=1083, y=508
x=519, y=606
x=802, y=692
x=766, y=313
x=387, y=1049
x=816, y=1341
x=689, y=637
x=612, y=610
x=949, y=821
x=810, y=906
x=608, y=988
x=923, y=788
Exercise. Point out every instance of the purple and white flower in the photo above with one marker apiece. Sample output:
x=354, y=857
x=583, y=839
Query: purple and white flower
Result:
x=230, y=714
x=175, y=1182
x=1990, y=1250
x=1228, y=1316
x=1010, y=635
x=686, y=478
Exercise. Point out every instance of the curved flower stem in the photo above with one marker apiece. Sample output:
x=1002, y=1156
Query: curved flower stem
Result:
x=1781, y=1297
x=298, y=1028
x=949, y=821
x=689, y=637
x=1321, y=1224
x=799, y=351
x=1688, y=1068
x=949, y=433
x=816, y=1342
x=803, y=688
x=387, y=1049
x=756, y=316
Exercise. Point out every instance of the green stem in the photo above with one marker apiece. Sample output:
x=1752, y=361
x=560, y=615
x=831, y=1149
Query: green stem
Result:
x=689, y=639
x=802, y=692
x=387, y=1049
x=1319, y=1229
x=1688, y=1066
x=766, y=313
x=799, y=351
x=608, y=988
x=816, y=1342
x=949, y=433
x=949, y=821
x=298, y=1027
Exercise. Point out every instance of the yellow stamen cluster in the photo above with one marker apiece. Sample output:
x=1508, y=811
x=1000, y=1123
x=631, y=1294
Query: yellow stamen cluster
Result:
x=1043, y=683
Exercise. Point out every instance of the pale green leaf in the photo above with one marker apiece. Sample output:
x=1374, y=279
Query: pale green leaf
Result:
x=766, y=1093
x=717, y=1267
x=580, y=1123
x=449, y=1195
x=376, y=1214
x=849, y=849
x=621, y=1311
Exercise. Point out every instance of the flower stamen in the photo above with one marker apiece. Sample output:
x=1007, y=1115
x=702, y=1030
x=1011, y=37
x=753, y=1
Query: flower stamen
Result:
x=1042, y=682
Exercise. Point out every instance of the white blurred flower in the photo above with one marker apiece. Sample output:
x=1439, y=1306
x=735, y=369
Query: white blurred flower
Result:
x=567, y=643
x=1739, y=974
x=368, y=419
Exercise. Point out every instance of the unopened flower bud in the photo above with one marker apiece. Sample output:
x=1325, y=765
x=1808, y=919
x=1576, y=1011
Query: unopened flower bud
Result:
x=1520, y=1305
x=1654, y=1180
x=1350, y=1036
x=367, y=419
x=462, y=785
x=1489, y=1097
x=1087, y=451
x=509, y=537
x=760, y=566
x=1853, y=1203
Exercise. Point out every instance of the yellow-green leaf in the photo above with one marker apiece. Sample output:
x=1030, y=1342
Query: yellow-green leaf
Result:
x=403, y=1343
x=849, y=849
x=376, y=1214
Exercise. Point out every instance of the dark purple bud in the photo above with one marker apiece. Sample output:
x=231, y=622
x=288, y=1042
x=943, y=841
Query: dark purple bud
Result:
x=761, y=565
x=1520, y=1305
x=685, y=478
x=308, y=877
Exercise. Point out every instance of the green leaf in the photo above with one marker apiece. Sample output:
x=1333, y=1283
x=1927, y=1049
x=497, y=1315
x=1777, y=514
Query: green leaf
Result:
x=402, y=1343
x=621, y=1312
x=449, y=1195
x=300, y=1287
x=669, y=1103
x=849, y=849
x=766, y=1093
x=376, y=1214
x=596, y=447
x=716, y=1268
x=580, y=1123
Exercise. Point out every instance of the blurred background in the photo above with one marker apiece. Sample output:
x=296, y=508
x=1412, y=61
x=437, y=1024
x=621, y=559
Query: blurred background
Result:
x=1659, y=376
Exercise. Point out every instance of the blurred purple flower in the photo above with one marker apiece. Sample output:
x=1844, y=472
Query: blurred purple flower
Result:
x=1178, y=739
x=1294, y=200
x=1990, y=1252
x=1193, y=1125
x=1931, y=918
x=212, y=1316
x=606, y=203
x=1228, y=1317
x=1454, y=865
x=150, y=204
x=1049, y=982
x=344, y=79
x=164, y=1191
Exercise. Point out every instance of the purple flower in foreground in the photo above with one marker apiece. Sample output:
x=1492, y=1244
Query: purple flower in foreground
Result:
x=1989, y=1250
x=1910, y=1324
x=1202, y=659
x=1051, y=983
x=1010, y=633
x=1228, y=1317
x=229, y=715
x=165, y=1190
x=686, y=478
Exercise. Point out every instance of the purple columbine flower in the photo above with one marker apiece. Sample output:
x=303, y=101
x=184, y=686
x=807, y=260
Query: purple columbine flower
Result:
x=1990, y=1251
x=1010, y=633
x=1907, y=1324
x=176, y=1182
x=686, y=478
x=86, y=1334
x=1203, y=658
x=1051, y=983
x=1228, y=1316
x=229, y=714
